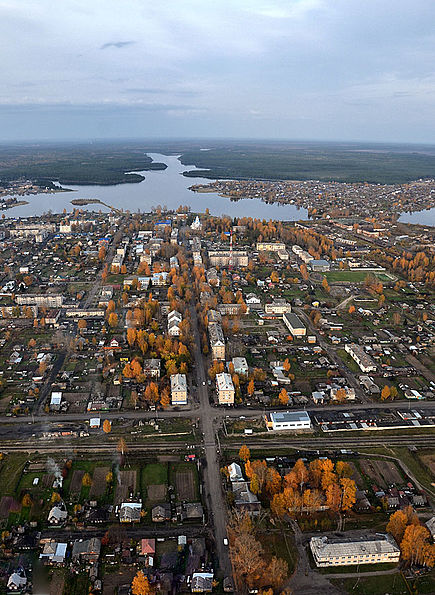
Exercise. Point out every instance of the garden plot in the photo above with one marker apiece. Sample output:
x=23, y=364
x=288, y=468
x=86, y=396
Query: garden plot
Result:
x=76, y=481
x=126, y=484
x=382, y=473
x=185, y=484
x=8, y=504
x=156, y=492
x=99, y=483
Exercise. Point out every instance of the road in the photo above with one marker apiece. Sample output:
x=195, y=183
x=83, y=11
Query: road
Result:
x=212, y=477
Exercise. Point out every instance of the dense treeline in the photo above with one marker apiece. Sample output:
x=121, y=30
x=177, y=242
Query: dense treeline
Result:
x=102, y=164
x=313, y=162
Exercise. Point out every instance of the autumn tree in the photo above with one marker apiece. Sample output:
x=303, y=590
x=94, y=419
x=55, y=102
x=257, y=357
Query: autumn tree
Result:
x=113, y=320
x=251, y=388
x=244, y=453
x=276, y=572
x=107, y=426
x=283, y=397
x=385, y=393
x=86, y=481
x=140, y=584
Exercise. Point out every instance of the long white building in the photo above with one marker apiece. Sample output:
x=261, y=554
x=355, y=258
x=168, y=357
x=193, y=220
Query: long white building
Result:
x=341, y=551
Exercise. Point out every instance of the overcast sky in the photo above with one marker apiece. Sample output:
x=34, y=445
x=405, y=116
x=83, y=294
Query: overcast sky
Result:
x=296, y=69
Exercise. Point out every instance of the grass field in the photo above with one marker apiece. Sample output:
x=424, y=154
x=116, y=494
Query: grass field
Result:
x=353, y=276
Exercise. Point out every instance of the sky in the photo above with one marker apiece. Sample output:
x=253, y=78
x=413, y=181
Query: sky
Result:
x=278, y=69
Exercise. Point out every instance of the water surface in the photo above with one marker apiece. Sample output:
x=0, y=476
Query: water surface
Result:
x=165, y=187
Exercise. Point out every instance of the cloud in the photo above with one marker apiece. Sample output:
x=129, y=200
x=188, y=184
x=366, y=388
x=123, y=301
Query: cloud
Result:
x=116, y=44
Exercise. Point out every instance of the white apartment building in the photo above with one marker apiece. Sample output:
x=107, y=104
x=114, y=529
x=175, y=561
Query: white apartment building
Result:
x=339, y=551
x=225, y=389
x=178, y=389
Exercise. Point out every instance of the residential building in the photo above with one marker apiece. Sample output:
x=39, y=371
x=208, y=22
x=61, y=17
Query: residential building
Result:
x=240, y=366
x=288, y=420
x=174, y=320
x=222, y=258
x=130, y=512
x=217, y=341
x=151, y=368
x=278, y=307
x=294, y=324
x=320, y=266
x=178, y=389
x=225, y=389
x=270, y=247
x=364, y=361
x=87, y=551
x=46, y=300
x=231, y=309
x=212, y=277
x=342, y=551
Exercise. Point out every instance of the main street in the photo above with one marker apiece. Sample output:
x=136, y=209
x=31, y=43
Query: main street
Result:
x=212, y=477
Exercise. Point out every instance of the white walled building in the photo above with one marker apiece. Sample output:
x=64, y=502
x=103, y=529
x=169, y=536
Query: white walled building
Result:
x=339, y=551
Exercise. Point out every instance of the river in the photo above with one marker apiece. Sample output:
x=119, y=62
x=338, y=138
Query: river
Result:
x=165, y=187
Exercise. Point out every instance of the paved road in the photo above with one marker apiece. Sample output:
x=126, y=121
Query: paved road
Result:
x=212, y=478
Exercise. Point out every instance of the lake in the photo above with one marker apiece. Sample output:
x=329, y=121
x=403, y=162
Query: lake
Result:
x=166, y=187
x=421, y=217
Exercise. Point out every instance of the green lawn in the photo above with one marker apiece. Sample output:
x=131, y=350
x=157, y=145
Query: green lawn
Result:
x=353, y=276
x=373, y=585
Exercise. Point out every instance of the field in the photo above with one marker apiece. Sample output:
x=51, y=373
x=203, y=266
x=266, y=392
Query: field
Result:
x=353, y=276
x=98, y=486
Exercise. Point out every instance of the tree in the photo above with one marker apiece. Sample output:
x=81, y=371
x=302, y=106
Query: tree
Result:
x=283, y=397
x=251, y=388
x=325, y=285
x=107, y=426
x=31, y=344
x=140, y=584
x=122, y=446
x=351, y=309
x=244, y=453
x=82, y=324
x=385, y=393
x=343, y=469
x=348, y=497
x=109, y=477
x=247, y=558
x=26, y=501
x=393, y=392
x=86, y=481
x=413, y=544
x=113, y=319
x=165, y=399
x=397, y=524
x=276, y=572
x=286, y=365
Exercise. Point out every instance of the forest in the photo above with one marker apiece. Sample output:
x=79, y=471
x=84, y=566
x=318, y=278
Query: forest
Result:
x=85, y=163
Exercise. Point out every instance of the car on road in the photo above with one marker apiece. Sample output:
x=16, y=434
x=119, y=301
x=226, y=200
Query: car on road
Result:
x=225, y=541
x=203, y=384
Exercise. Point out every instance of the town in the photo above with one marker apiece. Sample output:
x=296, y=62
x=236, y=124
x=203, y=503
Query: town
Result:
x=192, y=403
x=332, y=199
